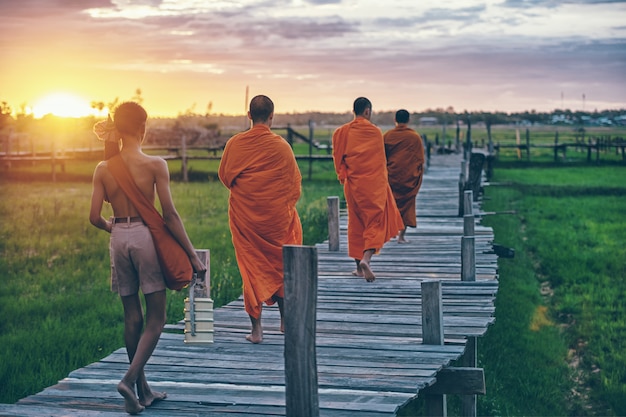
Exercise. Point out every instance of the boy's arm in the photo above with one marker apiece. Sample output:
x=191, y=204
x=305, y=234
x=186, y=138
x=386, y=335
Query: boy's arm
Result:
x=172, y=219
x=97, y=199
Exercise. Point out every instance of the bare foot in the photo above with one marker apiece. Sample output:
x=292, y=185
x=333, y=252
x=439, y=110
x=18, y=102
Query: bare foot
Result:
x=149, y=397
x=358, y=272
x=403, y=240
x=282, y=325
x=367, y=272
x=131, y=403
x=254, y=339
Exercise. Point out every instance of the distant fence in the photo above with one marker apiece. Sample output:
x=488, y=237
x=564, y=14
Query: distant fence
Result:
x=595, y=145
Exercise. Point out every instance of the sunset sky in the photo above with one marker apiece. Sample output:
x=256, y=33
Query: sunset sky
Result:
x=316, y=55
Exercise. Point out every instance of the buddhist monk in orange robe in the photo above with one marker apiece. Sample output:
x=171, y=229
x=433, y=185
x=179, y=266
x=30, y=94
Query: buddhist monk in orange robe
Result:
x=405, y=161
x=260, y=170
x=361, y=166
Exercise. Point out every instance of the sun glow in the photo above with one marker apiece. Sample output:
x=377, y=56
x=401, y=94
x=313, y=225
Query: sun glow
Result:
x=63, y=105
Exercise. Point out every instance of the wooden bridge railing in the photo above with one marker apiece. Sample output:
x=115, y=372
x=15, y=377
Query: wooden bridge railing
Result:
x=300, y=268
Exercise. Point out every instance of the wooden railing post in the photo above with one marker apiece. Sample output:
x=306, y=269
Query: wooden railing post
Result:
x=183, y=147
x=198, y=310
x=468, y=215
x=333, y=223
x=300, y=269
x=468, y=273
x=461, y=190
x=432, y=334
x=468, y=245
x=52, y=161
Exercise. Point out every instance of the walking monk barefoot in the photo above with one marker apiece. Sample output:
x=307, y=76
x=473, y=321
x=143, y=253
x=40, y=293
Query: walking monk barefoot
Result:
x=404, y=149
x=360, y=164
x=261, y=172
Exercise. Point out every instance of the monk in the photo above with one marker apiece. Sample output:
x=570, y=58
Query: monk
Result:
x=360, y=164
x=405, y=161
x=260, y=170
x=134, y=262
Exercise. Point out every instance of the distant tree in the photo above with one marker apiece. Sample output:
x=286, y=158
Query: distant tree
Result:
x=112, y=105
x=98, y=105
x=137, y=97
x=5, y=114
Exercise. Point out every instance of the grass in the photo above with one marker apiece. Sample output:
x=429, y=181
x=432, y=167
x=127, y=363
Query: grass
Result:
x=557, y=347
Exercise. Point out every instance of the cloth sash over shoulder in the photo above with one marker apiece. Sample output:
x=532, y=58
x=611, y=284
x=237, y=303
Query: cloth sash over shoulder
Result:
x=261, y=172
x=361, y=166
x=174, y=261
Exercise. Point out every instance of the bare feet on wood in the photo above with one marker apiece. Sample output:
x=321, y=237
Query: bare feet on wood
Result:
x=131, y=403
x=149, y=397
x=402, y=240
x=256, y=335
x=254, y=339
x=358, y=272
x=367, y=272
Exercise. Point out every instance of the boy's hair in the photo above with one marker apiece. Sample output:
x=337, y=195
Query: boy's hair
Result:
x=129, y=117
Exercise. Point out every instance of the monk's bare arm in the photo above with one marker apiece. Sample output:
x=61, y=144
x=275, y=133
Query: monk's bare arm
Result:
x=97, y=200
x=172, y=219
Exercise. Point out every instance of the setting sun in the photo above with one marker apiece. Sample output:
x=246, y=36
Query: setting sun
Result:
x=63, y=105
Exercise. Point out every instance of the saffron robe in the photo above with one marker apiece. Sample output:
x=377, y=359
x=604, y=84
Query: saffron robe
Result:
x=260, y=170
x=405, y=160
x=361, y=166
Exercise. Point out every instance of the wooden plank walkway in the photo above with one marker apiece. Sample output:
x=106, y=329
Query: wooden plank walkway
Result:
x=370, y=355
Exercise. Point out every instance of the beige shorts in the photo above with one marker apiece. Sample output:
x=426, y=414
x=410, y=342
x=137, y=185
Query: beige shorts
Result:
x=134, y=262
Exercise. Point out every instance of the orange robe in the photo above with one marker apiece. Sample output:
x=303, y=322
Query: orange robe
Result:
x=405, y=160
x=361, y=166
x=260, y=170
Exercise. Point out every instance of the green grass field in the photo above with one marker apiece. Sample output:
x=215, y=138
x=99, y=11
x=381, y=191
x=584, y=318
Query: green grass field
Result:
x=557, y=347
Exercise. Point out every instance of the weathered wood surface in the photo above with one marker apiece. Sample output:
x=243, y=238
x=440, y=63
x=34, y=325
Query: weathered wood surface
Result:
x=370, y=356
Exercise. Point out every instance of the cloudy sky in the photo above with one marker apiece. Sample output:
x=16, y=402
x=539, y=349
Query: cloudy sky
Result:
x=504, y=55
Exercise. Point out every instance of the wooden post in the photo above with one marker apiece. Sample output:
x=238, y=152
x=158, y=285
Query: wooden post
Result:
x=300, y=268
x=52, y=159
x=183, y=147
x=468, y=251
x=468, y=215
x=461, y=190
x=310, y=149
x=556, y=144
x=333, y=223
x=468, y=273
x=432, y=334
x=468, y=258
x=527, y=144
x=203, y=283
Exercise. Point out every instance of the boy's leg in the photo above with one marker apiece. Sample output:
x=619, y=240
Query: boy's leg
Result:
x=140, y=352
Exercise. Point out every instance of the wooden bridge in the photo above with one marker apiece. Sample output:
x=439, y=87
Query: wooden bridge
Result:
x=373, y=353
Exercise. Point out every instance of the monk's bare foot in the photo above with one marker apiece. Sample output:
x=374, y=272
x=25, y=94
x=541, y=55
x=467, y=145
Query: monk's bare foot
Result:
x=403, y=240
x=149, y=397
x=358, y=272
x=131, y=403
x=367, y=272
x=282, y=325
x=256, y=335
